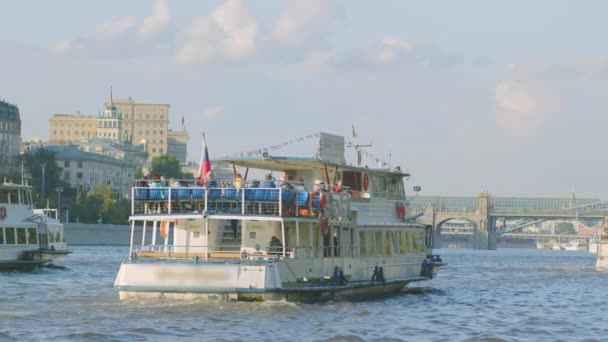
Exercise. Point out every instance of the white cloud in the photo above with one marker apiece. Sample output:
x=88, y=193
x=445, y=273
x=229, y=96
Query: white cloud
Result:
x=213, y=113
x=63, y=46
x=523, y=107
x=112, y=29
x=229, y=33
x=299, y=22
x=155, y=22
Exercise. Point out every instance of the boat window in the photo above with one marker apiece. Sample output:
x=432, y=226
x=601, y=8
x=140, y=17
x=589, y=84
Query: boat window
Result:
x=3, y=196
x=32, y=236
x=414, y=242
x=387, y=243
x=402, y=244
x=379, y=186
x=362, y=243
x=51, y=237
x=352, y=180
x=21, y=238
x=1, y=236
x=315, y=240
x=408, y=242
x=378, y=243
x=58, y=237
x=10, y=235
x=327, y=244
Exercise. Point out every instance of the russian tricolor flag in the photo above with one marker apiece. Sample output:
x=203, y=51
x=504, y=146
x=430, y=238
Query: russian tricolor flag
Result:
x=205, y=163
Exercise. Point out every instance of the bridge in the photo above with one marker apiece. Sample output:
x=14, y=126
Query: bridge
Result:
x=485, y=211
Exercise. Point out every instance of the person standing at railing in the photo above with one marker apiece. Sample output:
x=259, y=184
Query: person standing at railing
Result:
x=238, y=181
x=209, y=181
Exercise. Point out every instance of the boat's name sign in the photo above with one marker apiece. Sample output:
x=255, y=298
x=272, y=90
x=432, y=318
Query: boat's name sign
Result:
x=2, y=213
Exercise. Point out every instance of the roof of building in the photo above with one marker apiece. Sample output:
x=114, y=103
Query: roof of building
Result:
x=9, y=111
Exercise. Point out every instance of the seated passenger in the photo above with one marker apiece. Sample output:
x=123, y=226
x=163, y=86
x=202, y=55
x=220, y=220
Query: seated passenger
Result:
x=157, y=182
x=299, y=185
x=255, y=184
x=276, y=247
x=268, y=182
x=287, y=183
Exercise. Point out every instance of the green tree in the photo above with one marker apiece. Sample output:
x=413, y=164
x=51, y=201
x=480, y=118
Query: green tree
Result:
x=102, y=205
x=138, y=173
x=564, y=228
x=34, y=162
x=166, y=166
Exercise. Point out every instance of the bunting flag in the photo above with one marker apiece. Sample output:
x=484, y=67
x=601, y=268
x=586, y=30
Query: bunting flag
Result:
x=277, y=147
x=205, y=163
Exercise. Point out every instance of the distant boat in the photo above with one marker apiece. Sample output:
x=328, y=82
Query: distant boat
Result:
x=557, y=247
x=575, y=246
x=28, y=237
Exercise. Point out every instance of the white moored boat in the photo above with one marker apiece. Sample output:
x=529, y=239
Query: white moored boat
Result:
x=213, y=242
x=28, y=237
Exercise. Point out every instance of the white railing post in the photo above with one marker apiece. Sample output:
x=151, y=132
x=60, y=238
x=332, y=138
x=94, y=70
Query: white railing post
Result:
x=131, y=240
x=169, y=206
x=133, y=189
x=243, y=200
x=280, y=202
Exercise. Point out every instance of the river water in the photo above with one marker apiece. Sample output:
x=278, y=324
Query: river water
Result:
x=503, y=295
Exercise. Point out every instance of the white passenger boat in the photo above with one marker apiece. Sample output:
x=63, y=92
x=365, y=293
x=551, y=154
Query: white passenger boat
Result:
x=28, y=237
x=212, y=242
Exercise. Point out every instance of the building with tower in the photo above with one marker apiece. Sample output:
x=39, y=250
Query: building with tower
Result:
x=124, y=121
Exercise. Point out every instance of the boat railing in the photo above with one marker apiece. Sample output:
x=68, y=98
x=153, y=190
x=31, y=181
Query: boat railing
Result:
x=241, y=252
x=238, y=201
x=51, y=213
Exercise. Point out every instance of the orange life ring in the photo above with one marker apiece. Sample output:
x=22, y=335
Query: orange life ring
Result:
x=398, y=209
x=365, y=181
x=323, y=201
x=403, y=211
x=324, y=225
x=164, y=229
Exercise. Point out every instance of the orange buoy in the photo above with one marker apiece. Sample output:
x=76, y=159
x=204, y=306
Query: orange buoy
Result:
x=164, y=229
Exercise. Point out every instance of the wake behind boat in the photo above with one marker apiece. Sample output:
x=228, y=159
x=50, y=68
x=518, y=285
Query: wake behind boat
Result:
x=28, y=237
x=328, y=230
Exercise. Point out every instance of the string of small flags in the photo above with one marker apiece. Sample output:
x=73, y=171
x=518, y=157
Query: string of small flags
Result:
x=267, y=149
x=273, y=148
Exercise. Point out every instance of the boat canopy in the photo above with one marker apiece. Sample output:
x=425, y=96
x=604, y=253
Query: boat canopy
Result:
x=300, y=163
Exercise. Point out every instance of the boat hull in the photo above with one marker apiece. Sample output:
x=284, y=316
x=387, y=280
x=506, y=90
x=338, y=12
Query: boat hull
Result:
x=249, y=281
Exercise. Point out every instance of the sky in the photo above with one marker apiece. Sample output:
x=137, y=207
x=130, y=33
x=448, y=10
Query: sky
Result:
x=506, y=97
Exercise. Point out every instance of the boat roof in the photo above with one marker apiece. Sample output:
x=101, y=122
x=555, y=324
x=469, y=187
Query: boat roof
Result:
x=301, y=163
x=14, y=186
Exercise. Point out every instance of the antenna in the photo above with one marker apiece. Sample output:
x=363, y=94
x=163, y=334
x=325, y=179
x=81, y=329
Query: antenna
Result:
x=357, y=146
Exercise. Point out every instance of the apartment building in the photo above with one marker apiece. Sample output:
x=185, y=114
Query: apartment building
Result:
x=10, y=135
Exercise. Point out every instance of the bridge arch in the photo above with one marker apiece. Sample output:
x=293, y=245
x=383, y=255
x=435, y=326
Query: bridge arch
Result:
x=456, y=231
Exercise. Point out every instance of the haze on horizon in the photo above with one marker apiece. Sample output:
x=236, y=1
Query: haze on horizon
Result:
x=468, y=96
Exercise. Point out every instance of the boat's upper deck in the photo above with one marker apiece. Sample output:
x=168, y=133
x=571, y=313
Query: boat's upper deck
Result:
x=282, y=202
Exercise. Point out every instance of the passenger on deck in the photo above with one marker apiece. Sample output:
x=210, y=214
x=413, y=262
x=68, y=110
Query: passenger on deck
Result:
x=268, y=182
x=276, y=247
x=299, y=185
x=156, y=182
x=287, y=183
x=238, y=181
x=144, y=182
x=255, y=184
x=209, y=181
x=338, y=186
